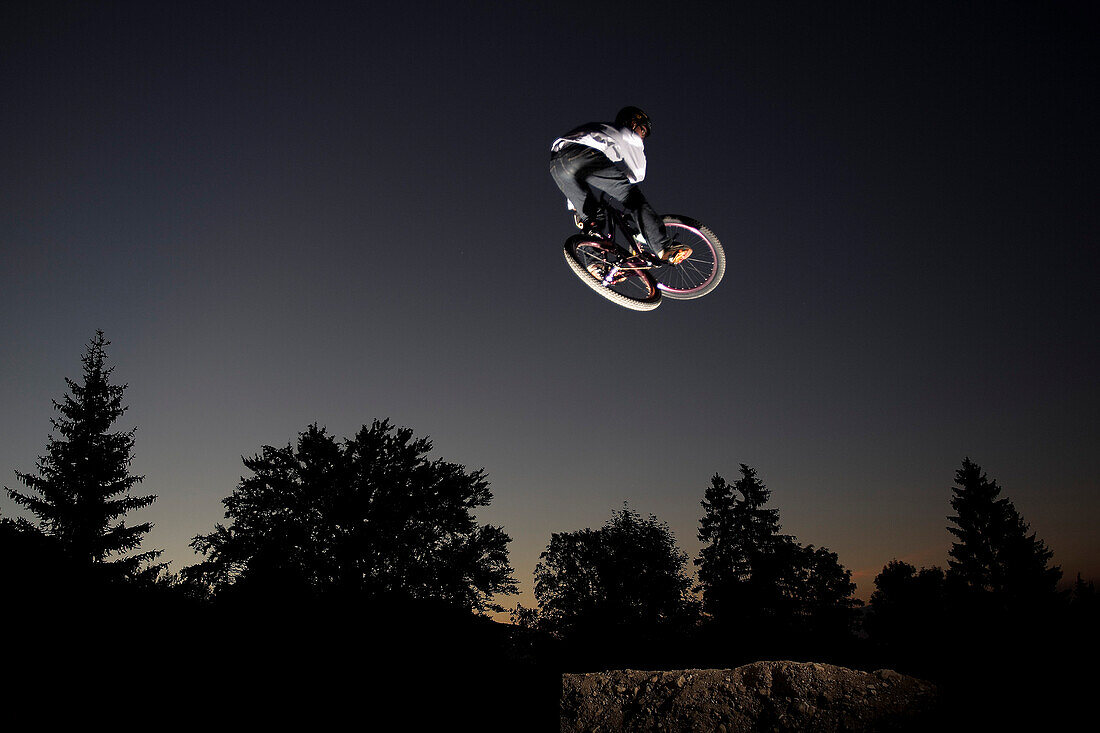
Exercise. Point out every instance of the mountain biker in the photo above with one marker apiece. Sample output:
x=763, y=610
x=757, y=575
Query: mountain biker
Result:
x=600, y=163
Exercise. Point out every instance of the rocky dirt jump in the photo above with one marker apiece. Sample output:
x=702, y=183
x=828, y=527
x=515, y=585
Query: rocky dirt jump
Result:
x=763, y=696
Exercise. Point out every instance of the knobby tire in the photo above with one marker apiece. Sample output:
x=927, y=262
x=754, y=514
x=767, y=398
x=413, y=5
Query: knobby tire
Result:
x=638, y=292
x=702, y=271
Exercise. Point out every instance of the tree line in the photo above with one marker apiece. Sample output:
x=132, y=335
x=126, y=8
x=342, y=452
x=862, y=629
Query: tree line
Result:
x=368, y=527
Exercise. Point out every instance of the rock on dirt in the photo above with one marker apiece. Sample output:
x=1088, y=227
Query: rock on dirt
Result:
x=763, y=696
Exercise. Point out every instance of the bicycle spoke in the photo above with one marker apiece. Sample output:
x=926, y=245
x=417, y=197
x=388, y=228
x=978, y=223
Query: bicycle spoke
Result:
x=634, y=285
x=697, y=271
x=597, y=261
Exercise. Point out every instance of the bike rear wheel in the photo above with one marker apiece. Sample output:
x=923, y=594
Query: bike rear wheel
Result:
x=702, y=271
x=597, y=263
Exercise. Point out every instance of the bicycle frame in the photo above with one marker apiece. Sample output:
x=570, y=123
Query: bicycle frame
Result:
x=610, y=264
x=616, y=221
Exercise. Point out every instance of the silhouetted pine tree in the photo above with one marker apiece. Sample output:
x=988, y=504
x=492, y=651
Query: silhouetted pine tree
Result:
x=1083, y=615
x=1084, y=592
x=744, y=560
x=1006, y=619
x=82, y=488
x=994, y=555
x=761, y=587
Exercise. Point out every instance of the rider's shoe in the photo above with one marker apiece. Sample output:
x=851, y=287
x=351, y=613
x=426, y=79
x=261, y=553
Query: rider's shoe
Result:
x=674, y=254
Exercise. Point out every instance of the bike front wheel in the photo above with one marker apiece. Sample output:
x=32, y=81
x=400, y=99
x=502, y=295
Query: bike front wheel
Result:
x=598, y=263
x=698, y=274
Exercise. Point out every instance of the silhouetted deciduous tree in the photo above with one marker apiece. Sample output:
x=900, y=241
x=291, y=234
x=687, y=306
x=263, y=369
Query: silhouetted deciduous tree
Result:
x=908, y=612
x=82, y=488
x=628, y=573
x=371, y=517
x=994, y=556
x=33, y=568
x=821, y=590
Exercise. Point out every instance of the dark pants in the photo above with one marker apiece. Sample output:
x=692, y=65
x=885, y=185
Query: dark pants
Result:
x=590, y=181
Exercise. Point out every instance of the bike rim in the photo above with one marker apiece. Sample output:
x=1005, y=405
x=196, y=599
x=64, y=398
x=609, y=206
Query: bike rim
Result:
x=635, y=285
x=694, y=273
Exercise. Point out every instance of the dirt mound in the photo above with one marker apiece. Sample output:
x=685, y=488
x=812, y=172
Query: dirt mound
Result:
x=763, y=696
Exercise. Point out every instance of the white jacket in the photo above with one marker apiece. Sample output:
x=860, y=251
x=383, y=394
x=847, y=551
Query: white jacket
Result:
x=621, y=145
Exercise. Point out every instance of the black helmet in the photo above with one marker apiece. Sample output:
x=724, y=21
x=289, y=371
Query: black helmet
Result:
x=628, y=115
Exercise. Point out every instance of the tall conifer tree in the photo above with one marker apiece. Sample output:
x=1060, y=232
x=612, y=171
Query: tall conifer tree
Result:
x=741, y=564
x=82, y=490
x=750, y=572
x=994, y=553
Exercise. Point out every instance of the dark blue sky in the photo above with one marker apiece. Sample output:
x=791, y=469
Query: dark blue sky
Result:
x=287, y=213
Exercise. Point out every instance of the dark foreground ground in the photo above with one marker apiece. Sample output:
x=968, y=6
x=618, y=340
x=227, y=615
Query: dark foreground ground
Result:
x=271, y=665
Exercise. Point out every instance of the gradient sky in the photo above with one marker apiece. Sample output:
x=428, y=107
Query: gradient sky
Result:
x=286, y=213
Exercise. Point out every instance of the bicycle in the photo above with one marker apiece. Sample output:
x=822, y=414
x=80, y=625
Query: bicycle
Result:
x=616, y=263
